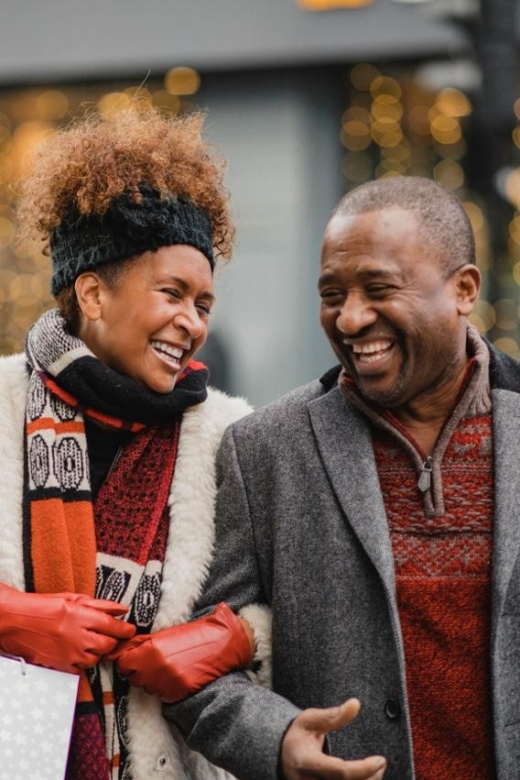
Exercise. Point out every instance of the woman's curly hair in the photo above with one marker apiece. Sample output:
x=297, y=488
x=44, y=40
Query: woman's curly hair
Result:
x=94, y=160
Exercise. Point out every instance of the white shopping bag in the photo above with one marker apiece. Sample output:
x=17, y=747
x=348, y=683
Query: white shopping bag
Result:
x=36, y=714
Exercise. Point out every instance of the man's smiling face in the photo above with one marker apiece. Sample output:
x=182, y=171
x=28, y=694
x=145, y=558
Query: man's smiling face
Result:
x=388, y=307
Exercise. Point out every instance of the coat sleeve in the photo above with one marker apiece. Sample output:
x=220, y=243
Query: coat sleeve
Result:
x=232, y=722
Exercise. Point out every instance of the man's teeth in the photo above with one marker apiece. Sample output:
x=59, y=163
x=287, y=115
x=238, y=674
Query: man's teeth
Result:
x=374, y=346
x=173, y=352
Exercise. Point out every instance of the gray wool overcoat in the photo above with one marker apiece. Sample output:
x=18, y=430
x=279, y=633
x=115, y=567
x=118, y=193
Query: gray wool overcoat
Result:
x=301, y=525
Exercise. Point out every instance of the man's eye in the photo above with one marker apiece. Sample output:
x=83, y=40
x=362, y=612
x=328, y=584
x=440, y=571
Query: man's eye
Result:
x=330, y=295
x=379, y=289
x=205, y=308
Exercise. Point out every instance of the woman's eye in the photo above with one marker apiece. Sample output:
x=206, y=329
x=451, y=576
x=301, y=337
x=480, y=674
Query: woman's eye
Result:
x=205, y=308
x=171, y=292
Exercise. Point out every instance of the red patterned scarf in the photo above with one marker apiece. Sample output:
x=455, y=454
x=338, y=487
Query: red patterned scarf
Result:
x=113, y=548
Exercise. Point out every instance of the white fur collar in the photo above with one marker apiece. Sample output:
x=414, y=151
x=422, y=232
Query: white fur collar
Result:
x=14, y=381
x=192, y=498
x=192, y=505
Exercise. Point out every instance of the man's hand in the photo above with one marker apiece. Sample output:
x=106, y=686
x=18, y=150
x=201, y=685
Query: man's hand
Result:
x=63, y=631
x=302, y=756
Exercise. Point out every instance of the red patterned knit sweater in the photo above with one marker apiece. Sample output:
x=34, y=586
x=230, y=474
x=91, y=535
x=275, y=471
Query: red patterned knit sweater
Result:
x=441, y=540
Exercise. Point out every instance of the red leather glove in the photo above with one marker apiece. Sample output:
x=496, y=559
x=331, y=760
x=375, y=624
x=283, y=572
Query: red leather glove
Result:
x=64, y=631
x=175, y=662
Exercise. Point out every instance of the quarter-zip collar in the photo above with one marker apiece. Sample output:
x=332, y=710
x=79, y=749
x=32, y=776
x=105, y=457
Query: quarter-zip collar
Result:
x=474, y=399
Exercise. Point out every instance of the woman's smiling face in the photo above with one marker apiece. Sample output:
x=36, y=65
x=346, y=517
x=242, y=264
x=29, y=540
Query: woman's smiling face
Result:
x=153, y=320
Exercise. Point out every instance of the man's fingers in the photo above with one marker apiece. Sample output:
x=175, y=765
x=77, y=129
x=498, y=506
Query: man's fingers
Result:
x=329, y=719
x=302, y=756
x=331, y=768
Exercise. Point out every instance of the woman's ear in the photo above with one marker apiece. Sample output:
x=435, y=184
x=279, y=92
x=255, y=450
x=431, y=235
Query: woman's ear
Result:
x=468, y=287
x=88, y=293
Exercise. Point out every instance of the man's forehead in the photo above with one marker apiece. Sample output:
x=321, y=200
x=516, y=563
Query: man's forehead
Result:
x=390, y=224
x=391, y=218
x=375, y=241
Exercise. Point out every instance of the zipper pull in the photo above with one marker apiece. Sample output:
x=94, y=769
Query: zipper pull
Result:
x=425, y=479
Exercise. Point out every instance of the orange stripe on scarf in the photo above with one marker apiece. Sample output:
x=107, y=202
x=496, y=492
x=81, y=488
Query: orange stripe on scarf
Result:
x=84, y=690
x=58, y=528
x=44, y=423
x=106, y=419
x=63, y=546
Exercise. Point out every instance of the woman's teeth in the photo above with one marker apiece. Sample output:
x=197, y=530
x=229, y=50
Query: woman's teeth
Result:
x=167, y=349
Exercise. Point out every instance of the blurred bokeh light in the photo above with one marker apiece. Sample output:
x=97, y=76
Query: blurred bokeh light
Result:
x=391, y=123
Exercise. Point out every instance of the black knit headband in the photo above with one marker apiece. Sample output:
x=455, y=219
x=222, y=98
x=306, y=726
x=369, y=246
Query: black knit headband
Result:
x=82, y=243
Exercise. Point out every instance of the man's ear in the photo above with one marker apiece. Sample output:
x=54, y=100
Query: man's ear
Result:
x=88, y=287
x=468, y=281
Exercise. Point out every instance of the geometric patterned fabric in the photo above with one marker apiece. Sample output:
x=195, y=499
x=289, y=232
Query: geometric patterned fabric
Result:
x=116, y=553
x=443, y=573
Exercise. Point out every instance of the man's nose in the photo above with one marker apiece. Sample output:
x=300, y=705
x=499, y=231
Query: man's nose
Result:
x=355, y=315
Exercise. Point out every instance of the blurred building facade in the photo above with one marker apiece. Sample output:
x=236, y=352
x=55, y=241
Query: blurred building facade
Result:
x=306, y=98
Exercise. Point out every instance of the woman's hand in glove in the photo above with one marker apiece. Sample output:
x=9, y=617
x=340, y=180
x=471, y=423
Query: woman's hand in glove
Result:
x=176, y=662
x=64, y=631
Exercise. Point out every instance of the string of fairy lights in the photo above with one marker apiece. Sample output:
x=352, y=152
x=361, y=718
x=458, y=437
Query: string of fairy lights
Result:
x=393, y=123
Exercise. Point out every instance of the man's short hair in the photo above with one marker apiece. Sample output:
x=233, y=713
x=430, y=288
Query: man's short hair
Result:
x=443, y=221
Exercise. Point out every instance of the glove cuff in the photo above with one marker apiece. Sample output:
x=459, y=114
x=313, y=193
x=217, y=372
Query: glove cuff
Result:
x=237, y=650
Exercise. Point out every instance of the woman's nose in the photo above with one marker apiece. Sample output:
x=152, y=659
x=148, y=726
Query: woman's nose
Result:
x=189, y=319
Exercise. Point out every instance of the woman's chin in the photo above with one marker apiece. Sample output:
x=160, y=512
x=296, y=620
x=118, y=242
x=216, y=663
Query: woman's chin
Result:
x=162, y=385
x=162, y=388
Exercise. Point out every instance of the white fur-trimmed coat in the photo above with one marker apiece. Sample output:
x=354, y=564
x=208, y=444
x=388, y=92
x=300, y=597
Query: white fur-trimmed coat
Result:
x=156, y=749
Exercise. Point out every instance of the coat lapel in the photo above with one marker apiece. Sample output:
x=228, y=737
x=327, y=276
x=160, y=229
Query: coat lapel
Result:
x=506, y=537
x=345, y=447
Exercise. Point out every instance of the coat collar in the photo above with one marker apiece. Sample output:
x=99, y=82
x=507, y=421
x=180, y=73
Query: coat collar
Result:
x=506, y=534
x=343, y=439
x=192, y=505
x=339, y=428
x=505, y=395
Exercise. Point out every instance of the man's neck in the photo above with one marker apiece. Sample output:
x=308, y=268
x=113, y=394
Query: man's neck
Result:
x=424, y=417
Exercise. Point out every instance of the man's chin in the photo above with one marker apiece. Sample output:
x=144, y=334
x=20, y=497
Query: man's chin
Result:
x=388, y=397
